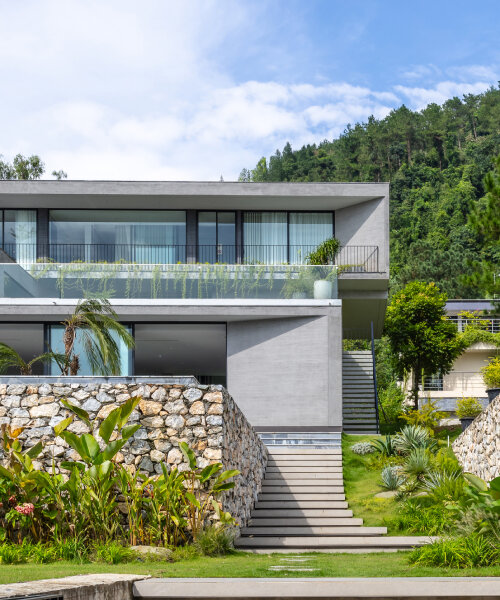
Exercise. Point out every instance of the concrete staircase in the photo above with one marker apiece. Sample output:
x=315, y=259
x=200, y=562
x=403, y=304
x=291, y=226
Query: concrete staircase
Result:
x=302, y=508
x=358, y=395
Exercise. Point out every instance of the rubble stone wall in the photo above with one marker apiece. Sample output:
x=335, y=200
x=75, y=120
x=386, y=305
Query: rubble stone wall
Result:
x=478, y=447
x=206, y=417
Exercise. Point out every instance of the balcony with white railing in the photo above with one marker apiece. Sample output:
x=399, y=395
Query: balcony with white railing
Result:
x=485, y=323
x=458, y=382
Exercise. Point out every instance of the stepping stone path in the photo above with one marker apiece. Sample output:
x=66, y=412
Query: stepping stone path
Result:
x=293, y=568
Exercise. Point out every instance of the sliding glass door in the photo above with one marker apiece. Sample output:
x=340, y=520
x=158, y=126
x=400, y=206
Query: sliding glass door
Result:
x=284, y=237
x=217, y=237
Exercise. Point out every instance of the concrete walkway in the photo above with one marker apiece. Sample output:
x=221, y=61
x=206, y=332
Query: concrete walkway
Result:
x=452, y=588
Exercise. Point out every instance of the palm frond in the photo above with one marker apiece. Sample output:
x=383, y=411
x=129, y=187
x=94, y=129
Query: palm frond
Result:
x=11, y=358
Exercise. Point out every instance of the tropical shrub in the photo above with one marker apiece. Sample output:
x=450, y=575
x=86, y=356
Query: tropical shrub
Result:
x=215, y=541
x=461, y=553
x=468, y=408
x=325, y=253
x=421, y=516
x=444, y=487
x=427, y=416
x=417, y=464
x=392, y=478
x=491, y=373
x=362, y=448
x=391, y=404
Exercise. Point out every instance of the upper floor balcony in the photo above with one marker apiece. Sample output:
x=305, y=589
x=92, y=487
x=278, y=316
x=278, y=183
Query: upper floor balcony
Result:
x=353, y=259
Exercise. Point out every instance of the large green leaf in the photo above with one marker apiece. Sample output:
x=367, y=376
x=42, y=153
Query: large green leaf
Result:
x=61, y=426
x=35, y=450
x=90, y=447
x=209, y=471
x=223, y=486
x=129, y=431
x=126, y=410
x=189, y=455
x=191, y=498
x=70, y=465
x=6, y=473
x=495, y=484
x=109, y=423
x=227, y=475
x=112, y=449
x=73, y=440
x=476, y=482
x=79, y=412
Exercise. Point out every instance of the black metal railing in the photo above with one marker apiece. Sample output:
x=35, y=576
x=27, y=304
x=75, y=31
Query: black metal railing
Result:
x=363, y=259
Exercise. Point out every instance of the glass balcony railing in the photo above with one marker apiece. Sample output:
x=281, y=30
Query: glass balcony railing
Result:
x=362, y=259
x=166, y=281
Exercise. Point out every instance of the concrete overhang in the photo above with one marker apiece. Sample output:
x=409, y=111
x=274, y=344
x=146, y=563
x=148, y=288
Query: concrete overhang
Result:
x=182, y=195
x=47, y=309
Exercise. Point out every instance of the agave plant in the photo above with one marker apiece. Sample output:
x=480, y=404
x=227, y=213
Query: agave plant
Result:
x=417, y=464
x=385, y=446
x=443, y=486
x=392, y=478
x=413, y=437
x=10, y=358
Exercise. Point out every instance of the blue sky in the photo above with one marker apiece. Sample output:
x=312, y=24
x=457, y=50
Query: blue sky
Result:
x=162, y=89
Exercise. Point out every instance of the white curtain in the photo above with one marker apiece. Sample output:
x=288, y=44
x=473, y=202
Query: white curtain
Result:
x=265, y=237
x=24, y=230
x=307, y=231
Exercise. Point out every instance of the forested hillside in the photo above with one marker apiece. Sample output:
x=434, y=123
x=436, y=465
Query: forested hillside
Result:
x=436, y=160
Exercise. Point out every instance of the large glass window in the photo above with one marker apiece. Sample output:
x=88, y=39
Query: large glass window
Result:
x=306, y=232
x=216, y=237
x=57, y=345
x=265, y=237
x=155, y=236
x=19, y=234
x=280, y=237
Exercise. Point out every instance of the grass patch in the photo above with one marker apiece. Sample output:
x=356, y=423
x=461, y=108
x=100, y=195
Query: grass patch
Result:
x=362, y=483
x=241, y=564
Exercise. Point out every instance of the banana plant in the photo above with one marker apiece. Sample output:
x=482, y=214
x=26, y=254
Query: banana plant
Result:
x=203, y=486
x=99, y=462
x=168, y=507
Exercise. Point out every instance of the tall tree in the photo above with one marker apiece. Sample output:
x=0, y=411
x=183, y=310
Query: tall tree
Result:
x=423, y=341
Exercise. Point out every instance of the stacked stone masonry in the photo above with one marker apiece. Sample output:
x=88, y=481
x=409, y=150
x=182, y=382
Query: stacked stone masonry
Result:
x=206, y=417
x=478, y=447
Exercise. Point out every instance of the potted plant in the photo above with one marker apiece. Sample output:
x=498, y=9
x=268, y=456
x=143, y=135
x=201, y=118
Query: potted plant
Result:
x=491, y=377
x=467, y=411
x=323, y=256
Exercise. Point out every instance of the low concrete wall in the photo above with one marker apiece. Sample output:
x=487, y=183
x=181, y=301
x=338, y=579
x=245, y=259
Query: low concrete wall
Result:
x=78, y=587
x=206, y=417
x=478, y=447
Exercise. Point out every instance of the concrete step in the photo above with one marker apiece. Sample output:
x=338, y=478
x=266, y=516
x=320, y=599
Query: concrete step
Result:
x=304, y=478
x=320, y=542
x=302, y=513
x=331, y=452
x=301, y=505
x=313, y=490
x=306, y=522
x=316, y=531
x=305, y=468
x=284, y=497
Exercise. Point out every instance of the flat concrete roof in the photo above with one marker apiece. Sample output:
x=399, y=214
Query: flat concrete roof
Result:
x=187, y=194
x=376, y=588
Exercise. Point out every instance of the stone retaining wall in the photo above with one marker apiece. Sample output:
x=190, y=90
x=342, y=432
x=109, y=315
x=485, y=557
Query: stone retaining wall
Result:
x=206, y=417
x=478, y=447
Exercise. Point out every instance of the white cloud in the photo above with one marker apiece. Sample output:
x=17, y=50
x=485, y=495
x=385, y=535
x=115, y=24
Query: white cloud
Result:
x=118, y=90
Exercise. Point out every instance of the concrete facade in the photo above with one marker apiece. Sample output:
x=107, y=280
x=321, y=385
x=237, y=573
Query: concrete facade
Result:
x=284, y=355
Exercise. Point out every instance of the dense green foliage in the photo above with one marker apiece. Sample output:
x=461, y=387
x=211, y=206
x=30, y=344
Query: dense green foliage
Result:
x=436, y=161
x=422, y=340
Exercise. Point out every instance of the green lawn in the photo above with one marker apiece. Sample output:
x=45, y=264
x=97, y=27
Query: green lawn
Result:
x=361, y=485
x=247, y=565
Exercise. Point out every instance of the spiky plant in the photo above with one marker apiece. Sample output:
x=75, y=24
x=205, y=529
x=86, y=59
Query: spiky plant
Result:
x=95, y=321
x=10, y=358
x=417, y=464
x=413, y=437
x=392, y=478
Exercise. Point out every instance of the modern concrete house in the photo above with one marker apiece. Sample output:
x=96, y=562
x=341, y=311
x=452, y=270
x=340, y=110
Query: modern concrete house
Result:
x=213, y=282
x=465, y=379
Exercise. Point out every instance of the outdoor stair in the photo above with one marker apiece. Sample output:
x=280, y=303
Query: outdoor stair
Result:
x=302, y=508
x=314, y=440
x=358, y=395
